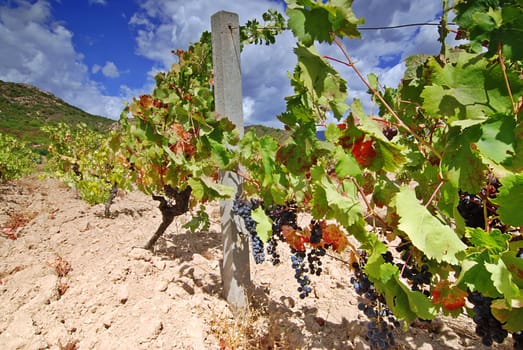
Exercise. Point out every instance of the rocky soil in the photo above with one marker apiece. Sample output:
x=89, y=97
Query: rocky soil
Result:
x=72, y=279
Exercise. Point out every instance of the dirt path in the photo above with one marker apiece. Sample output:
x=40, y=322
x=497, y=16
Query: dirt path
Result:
x=75, y=280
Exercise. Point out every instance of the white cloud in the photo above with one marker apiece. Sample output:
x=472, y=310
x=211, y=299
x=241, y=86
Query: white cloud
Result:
x=38, y=50
x=162, y=26
x=96, y=68
x=110, y=70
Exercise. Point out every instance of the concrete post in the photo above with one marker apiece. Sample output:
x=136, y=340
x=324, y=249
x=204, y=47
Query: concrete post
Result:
x=228, y=103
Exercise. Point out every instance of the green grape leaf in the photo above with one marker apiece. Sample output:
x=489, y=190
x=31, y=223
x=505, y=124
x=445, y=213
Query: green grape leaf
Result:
x=384, y=191
x=332, y=132
x=461, y=164
x=497, y=141
x=404, y=303
x=509, y=200
x=318, y=77
x=428, y=234
x=476, y=277
x=469, y=90
x=502, y=280
x=315, y=20
x=346, y=165
x=510, y=317
x=200, y=221
x=263, y=224
x=489, y=23
x=365, y=122
x=457, y=90
x=334, y=202
x=205, y=187
x=495, y=241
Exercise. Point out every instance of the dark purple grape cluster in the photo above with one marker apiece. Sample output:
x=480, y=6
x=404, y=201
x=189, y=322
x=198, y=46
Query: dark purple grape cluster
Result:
x=487, y=326
x=381, y=320
x=244, y=208
x=314, y=256
x=417, y=273
x=473, y=207
x=316, y=232
x=280, y=215
x=390, y=132
x=272, y=251
x=298, y=264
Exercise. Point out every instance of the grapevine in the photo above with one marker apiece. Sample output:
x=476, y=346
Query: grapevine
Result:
x=16, y=158
x=84, y=160
x=440, y=159
x=174, y=143
x=432, y=176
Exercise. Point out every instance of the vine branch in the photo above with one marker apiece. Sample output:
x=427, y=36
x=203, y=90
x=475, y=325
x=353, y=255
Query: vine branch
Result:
x=505, y=77
x=349, y=63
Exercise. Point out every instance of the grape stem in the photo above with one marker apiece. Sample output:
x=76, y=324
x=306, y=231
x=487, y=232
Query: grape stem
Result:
x=505, y=77
x=438, y=188
x=369, y=207
x=350, y=64
x=247, y=178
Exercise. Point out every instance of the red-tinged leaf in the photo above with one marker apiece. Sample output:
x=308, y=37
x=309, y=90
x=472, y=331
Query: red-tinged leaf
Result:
x=451, y=298
x=333, y=235
x=364, y=152
x=146, y=101
x=295, y=239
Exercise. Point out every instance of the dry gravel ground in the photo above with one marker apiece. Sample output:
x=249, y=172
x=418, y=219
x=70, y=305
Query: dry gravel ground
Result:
x=75, y=280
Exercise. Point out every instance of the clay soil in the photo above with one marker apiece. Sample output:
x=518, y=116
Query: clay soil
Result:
x=72, y=279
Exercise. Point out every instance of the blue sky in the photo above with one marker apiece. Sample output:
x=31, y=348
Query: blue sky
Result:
x=99, y=54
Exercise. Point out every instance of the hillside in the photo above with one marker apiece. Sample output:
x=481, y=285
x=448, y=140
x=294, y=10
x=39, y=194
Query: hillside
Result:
x=261, y=130
x=25, y=108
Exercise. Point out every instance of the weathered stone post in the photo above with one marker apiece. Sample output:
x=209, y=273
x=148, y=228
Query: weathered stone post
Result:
x=228, y=103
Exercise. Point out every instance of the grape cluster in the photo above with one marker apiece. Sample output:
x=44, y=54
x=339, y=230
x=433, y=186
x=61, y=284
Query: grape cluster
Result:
x=381, y=320
x=487, y=326
x=472, y=206
x=316, y=232
x=272, y=251
x=283, y=215
x=390, y=132
x=314, y=259
x=244, y=208
x=417, y=274
x=298, y=264
x=280, y=215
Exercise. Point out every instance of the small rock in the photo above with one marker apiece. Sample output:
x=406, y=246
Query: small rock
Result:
x=150, y=329
x=107, y=321
x=122, y=294
x=159, y=263
x=140, y=254
x=176, y=291
x=162, y=285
